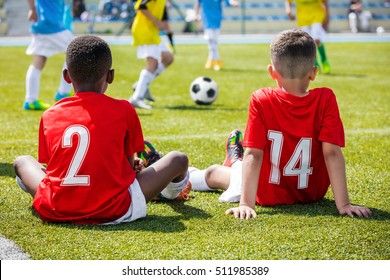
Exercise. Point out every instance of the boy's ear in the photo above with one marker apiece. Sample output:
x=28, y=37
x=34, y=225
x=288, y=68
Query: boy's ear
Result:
x=110, y=76
x=65, y=74
x=272, y=72
x=313, y=73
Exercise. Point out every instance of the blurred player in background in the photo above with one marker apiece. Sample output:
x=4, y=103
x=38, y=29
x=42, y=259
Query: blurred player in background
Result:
x=356, y=14
x=145, y=29
x=212, y=18
x=313, y=18
x=50, y=36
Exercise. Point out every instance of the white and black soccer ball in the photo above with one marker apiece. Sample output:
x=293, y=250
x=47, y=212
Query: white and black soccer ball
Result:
x=204, y=90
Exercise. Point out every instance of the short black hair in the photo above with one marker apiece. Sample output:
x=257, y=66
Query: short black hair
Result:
x=88, y=59
x=293, y=53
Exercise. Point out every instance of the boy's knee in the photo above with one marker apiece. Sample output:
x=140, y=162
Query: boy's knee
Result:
x=209, y=171
x=167, y=59
x=20, y=160
x=180, y=160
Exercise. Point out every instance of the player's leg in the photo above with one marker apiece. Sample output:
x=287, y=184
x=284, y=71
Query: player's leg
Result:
x=319, y=34
x=33, y=80
x=364, y=18
x=209, y=38
x=215, y=51
x=220, y=176
x=167, y=59
x=145, y=78
x=64, y=89
x=62, y=41
x=168, y=176
x=352, y=18
x=152, y=55
x=29, y=173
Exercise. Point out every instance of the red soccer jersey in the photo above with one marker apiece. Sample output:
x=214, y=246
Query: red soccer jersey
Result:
x=290, y=130
x=86, y=140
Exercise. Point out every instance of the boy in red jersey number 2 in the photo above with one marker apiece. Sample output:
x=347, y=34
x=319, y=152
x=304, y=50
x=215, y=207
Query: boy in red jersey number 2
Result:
x=292, y=139
x=88, y=142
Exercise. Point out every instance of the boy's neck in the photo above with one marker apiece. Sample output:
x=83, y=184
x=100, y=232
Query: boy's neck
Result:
x=295, y=87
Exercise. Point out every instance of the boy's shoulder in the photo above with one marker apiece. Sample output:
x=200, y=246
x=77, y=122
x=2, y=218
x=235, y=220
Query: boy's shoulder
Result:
x=97, y=99
x=270, y=93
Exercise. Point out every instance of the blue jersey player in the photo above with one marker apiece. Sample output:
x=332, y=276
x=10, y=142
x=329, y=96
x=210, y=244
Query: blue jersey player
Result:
x=49, y=37
x=212, y=18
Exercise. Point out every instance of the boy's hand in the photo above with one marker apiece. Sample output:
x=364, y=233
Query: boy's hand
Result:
x=32, y=15
x=291, y=16
x=351, y=210
x=138, y=164
x=242, y=212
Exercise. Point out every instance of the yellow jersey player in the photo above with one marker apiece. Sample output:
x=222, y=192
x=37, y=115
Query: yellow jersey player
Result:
x=145, y=30
x=313, y=18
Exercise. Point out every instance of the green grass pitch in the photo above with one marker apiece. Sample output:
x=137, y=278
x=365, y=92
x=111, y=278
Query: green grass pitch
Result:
x=199, y=229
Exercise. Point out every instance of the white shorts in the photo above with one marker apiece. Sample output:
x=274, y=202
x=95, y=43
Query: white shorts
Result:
x=212, y=34
x=49, y=44
x=153, y=51
x=137, y=209
x=316, y=31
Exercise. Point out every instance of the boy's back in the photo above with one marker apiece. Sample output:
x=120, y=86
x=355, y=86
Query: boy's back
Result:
x=88, y=133
x=290, y=130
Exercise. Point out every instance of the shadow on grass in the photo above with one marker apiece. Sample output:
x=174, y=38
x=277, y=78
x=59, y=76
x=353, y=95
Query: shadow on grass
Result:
x=153, y=223
x=325, y=207
x=7, y=169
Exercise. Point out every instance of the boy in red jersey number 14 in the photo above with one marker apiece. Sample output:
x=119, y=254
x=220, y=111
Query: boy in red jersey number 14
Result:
x=88, y=142
x=292, y=139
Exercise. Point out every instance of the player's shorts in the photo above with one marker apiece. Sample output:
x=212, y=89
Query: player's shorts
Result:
x=316, y=31
x=49, y=44
x=137, y=209
x=212, y=33
x=153, y=51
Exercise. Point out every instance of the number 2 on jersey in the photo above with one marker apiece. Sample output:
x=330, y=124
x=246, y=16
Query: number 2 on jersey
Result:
x=72, y=178
x=298, y=164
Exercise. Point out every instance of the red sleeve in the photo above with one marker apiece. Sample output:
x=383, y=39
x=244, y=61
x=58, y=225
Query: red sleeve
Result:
x=255, y=133
x=332, y=129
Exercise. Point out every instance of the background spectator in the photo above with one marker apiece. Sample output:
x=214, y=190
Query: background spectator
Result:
x=357, y=15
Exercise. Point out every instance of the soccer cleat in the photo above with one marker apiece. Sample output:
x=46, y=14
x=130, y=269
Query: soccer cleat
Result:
x=148, y=94
x=217, y=65
x=326, y=69
x=139, y=103
x=60, y=96
x=209, y=64
x=183, y=195
x=149, y=155
x=36, y=105
x=234, y=149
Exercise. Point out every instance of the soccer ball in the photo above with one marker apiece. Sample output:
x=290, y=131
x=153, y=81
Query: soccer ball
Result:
x=204, y=90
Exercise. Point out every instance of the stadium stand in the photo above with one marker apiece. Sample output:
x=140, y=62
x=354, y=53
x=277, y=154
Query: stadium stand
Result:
x=254, y=16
